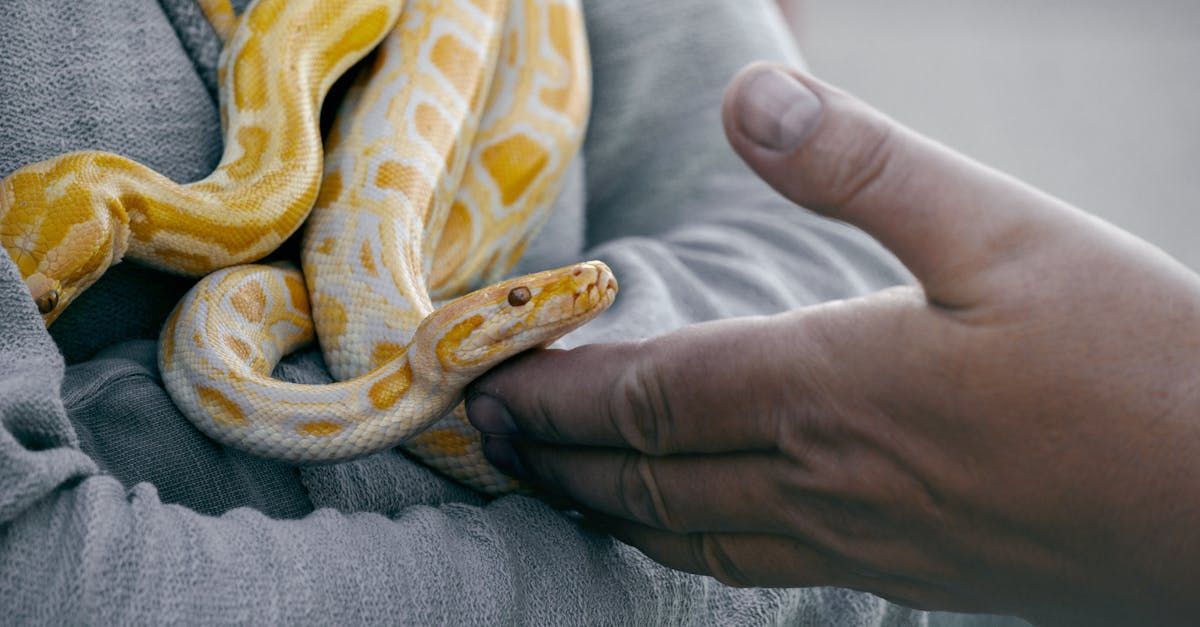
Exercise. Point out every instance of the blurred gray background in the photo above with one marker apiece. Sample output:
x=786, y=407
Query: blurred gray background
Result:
x=1094, y=101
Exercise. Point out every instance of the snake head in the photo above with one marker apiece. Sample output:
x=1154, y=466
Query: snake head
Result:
x=475, y=332
x=59, y=243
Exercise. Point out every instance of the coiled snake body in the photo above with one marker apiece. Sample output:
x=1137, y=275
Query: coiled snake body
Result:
x=445, y=155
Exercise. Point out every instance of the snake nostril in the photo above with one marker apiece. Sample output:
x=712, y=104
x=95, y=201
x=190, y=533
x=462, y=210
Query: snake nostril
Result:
x=519, y=296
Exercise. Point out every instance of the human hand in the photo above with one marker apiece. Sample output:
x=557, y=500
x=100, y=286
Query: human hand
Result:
x=1021, y=434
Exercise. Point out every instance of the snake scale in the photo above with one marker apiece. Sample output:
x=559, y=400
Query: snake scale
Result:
x=444, y=158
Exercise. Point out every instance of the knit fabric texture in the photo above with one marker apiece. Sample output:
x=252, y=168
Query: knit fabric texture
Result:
x=114, y=509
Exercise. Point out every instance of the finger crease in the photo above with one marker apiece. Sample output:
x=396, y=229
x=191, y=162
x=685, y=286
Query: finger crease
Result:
x=653, y=496
x=718, y=561
x=645, y=411
x=549, y=426
x=874, y=164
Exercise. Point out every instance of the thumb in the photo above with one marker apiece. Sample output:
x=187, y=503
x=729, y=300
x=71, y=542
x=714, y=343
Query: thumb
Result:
x=949, y=219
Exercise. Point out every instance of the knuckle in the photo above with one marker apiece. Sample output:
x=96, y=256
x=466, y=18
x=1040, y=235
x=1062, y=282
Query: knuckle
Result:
x=642, y=495
x=825, y=523
x=865, y=162
x=640, y=410
x=850, y=521
x=712, y=554
x=541, y=421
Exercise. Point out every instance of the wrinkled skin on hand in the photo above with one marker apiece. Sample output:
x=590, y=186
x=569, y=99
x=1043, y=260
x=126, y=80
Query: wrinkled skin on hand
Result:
x=1020, y=433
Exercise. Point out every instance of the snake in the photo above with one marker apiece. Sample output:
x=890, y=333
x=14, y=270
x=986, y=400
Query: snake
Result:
x=406, y=221
x=64, y=221
x=445, y=156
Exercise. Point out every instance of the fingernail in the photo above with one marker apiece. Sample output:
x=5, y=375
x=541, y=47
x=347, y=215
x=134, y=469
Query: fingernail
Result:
x=490, y=416
x=501, y=454
x=775, y=110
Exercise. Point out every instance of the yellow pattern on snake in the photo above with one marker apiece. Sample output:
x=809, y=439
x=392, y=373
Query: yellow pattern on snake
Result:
x=65, y=221
x=445, y=156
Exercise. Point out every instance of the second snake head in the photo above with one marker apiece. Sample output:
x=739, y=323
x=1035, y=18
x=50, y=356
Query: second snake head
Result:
x=58, y=230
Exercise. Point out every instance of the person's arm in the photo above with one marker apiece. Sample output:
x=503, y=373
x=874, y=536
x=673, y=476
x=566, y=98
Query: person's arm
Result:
x=1020, y=434
x=77, y=546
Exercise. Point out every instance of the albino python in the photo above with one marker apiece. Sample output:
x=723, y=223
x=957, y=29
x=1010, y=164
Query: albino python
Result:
x=66, y=220
x=445, y=156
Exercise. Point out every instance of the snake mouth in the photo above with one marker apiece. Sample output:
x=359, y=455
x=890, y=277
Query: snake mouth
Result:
x=593, y=298
x=531, y=336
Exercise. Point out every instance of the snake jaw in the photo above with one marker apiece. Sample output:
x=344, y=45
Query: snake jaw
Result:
x=85, y=254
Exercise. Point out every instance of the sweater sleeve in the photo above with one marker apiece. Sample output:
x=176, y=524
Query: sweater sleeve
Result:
x=77, y=546
x=691, y=235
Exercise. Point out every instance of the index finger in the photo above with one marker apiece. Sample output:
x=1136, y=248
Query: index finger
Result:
x=713, y=387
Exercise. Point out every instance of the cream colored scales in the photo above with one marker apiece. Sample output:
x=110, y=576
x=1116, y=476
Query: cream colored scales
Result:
x=445, y=156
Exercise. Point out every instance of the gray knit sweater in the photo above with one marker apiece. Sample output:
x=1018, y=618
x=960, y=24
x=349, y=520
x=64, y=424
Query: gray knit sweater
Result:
x=114, y=509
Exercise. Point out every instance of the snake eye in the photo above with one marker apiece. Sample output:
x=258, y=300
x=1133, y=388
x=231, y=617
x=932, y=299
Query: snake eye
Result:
x=519, y=296
x=48, y=301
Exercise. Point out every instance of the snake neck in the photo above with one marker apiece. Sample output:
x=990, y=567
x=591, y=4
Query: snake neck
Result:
x=217, y=352
x=429, y=355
